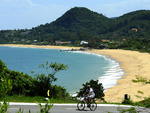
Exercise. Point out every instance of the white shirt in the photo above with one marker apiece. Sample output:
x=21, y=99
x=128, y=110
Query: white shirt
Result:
x=91, y=91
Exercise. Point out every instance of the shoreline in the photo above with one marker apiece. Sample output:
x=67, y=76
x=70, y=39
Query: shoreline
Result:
x=112, y=74
x=133, y=64
x=40, y=46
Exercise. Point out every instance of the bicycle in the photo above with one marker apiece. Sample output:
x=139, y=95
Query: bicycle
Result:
x=84, y=102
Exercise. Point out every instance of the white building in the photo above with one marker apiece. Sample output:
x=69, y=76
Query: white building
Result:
x=83, y=42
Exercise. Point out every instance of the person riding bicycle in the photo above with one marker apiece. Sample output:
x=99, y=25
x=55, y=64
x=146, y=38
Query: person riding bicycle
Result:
x=89, y=93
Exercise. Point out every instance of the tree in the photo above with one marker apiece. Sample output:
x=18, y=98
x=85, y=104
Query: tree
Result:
x=58, y=92
x=97, y=87
x=3, y=67
x=5, y=82
x=5, y=87
x=44, y=81
x=22, y=84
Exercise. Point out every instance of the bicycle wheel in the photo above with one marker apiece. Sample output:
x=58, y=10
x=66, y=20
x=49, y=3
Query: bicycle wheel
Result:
x=81, y=105
x=93, y=106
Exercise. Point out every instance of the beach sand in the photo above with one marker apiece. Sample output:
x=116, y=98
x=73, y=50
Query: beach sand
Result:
x=40, y=46
x=132, y=62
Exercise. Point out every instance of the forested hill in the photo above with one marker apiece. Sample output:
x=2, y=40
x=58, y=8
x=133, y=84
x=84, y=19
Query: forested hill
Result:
x=135, y=24
x=82, y=24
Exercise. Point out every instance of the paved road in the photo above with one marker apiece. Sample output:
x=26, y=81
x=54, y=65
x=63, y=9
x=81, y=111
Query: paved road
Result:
x=71, y=109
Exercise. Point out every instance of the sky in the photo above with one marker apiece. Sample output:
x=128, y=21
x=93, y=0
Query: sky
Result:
x=25, y=14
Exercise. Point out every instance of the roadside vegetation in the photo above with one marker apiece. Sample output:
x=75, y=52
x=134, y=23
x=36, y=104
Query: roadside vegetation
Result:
x=17, y=83
x=19, y=87
x=43, y=108
x=37, y=99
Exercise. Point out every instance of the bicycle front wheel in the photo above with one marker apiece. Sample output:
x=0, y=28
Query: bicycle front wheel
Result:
x=93, y=106
x=81, y=105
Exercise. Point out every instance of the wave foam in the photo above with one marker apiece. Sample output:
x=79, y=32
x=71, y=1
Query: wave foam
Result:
x=112, y=74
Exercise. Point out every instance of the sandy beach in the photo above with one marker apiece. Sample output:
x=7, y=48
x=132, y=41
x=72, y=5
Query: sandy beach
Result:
x=132, y=62
x=40, y=46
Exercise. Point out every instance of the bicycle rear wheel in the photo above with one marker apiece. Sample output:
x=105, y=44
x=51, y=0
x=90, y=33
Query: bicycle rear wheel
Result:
x=93, y=106
x=81, y=105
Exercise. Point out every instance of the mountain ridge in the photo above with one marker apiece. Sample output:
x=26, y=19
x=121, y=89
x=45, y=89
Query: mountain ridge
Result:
x=80, y=23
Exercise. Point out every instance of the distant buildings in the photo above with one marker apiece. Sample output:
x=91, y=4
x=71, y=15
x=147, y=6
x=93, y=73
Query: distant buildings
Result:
x=62, y=42
x=134, y=29
x=105, y=40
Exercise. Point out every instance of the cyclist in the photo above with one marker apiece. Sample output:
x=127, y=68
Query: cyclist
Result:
x=89, y=93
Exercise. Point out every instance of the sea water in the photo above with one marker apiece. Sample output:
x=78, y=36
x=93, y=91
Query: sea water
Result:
x=82, y=66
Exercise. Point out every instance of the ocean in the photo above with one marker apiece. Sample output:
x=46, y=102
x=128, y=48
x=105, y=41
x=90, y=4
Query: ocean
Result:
x=82, y=66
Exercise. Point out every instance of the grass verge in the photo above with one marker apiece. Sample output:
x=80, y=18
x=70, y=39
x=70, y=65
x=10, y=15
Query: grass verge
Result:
x=36, y=99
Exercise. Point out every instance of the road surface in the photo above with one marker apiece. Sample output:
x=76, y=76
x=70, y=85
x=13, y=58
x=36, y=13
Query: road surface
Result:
x=71, y=108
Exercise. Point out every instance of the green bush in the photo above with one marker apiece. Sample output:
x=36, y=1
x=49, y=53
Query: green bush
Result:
x=18, y=83
x=3, y=107
x=127, y=101
x=45, y=108
x=5, y=87
x=145, y=102
x=97, y=87
x=44, y=81
x=21, y=83
x=58, y=92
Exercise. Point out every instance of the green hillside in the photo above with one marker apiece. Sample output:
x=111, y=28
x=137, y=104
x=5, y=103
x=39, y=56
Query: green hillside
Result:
x=135, y=24
x=75, y=24
x=82, y=24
